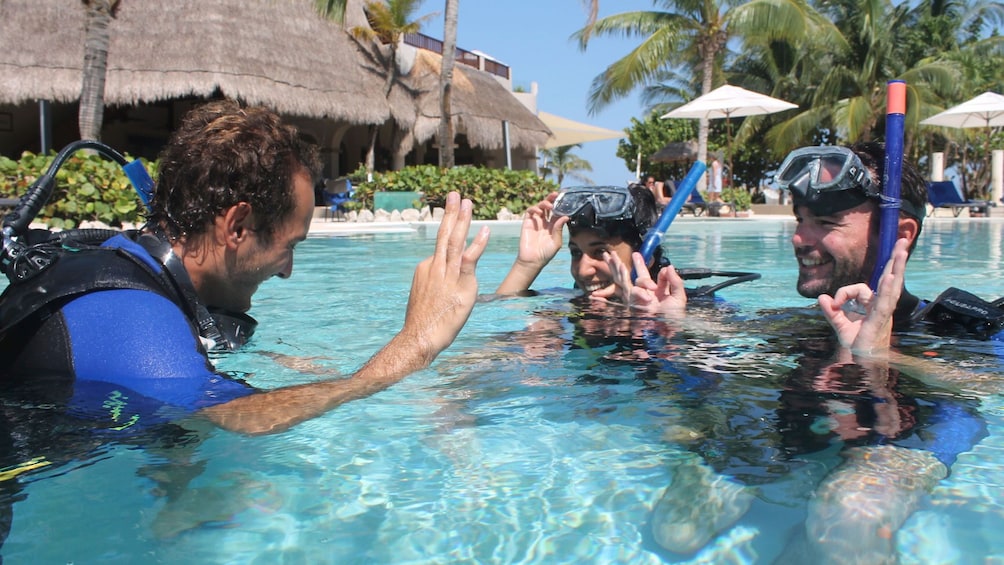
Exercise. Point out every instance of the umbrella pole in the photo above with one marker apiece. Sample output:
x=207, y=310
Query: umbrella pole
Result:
x=728, y=147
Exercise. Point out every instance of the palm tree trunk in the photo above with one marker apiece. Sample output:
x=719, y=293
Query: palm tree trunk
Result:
x=446, y=134
x=390, y=65
x=404, y=142
x=99, y=14
x=707, y=69
x=371, y=151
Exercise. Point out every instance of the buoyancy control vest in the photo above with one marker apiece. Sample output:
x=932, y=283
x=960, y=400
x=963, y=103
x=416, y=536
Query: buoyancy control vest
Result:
x=957, y=309
x=77, y=266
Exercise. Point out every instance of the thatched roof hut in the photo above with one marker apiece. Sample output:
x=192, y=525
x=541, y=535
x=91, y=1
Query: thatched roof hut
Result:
x=277, y=53
x=281, y=54
x=479, y=105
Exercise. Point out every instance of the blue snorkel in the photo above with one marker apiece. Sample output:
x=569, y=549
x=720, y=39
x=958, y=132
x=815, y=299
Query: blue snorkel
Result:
x=140, y=180
x=654, y=236
x=891, y=179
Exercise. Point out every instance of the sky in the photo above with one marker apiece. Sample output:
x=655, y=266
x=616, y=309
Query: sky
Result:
x=533, y=38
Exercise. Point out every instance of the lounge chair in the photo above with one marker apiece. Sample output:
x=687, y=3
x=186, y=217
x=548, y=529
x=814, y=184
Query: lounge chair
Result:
x=944, y=194
x=697, y=206
x=694, y=205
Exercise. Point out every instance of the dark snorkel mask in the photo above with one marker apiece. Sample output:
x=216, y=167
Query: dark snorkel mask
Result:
x=591, y=206
x=831, y=179
x=607, y=209
x=219, y=330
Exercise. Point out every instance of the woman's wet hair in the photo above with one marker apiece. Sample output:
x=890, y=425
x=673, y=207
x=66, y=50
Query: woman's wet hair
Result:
x=644, y=215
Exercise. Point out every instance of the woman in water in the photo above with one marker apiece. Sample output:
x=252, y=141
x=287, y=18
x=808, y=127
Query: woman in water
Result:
x=602, y=221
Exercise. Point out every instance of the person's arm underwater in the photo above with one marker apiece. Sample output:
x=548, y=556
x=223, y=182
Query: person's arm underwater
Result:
x=443, y=293
x=539, y=241
x=869, y=333
x=667, y=295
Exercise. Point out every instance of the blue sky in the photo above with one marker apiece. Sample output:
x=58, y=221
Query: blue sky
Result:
x=532, y=37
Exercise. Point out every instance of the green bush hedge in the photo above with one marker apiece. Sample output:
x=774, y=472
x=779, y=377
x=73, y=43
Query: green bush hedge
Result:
x=92, y=188
x=489, y=189
x=739, y=196
x=88, y=188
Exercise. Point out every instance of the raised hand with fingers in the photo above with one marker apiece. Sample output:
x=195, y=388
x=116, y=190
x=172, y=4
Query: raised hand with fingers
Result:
x=666, y=295
x=870, y=332
x=539, y=241
x=445, y=288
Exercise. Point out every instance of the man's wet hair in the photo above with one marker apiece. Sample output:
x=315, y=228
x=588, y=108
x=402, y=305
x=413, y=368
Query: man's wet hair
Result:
x=913, y=188
x=225, y=153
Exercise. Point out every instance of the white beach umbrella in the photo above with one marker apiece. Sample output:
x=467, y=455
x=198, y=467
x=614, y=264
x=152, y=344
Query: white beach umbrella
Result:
x=986, y=110
x=730, y=102
x=983, y=111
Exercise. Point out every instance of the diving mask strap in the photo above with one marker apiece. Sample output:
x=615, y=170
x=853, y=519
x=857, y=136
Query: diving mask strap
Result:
x=210, y=334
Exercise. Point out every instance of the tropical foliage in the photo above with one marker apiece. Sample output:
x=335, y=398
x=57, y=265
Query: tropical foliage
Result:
x=91, y=188
x=688, y=36
x=738, y=197
x=88, y=188
x=561, y=162
x=833, y=58
x=647, y=137
x=489, y=189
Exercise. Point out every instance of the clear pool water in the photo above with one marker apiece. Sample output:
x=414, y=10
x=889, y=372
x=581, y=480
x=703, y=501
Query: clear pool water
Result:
x=548, y=433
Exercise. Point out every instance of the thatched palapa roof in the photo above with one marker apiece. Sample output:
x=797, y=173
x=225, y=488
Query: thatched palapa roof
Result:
x=277, y=53
x=479, y=104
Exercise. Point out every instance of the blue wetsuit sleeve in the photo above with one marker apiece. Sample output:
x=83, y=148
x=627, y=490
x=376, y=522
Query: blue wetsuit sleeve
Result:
x=142, y=341
x=954, y=429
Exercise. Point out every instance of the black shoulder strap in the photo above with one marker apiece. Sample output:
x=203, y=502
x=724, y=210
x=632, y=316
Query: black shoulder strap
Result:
x=161, y=250
x=76, y=272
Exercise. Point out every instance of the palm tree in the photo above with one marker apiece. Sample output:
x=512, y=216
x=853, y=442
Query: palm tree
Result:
x=446, y=83
x=689, y=32
x=332, y=9
x=99, y=14
x=561, y=162
x=840, y=83
x=389, y=23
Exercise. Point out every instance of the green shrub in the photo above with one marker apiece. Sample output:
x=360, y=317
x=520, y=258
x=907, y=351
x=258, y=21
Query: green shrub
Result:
x=741, y=197
x=92, y=188
x=489, y=189
x=88, y=188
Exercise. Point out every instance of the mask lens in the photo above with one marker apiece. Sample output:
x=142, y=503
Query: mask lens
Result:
x=812, y=170
x=831, y=171
x=610, y=203
x=796, y=173
x=570, y=202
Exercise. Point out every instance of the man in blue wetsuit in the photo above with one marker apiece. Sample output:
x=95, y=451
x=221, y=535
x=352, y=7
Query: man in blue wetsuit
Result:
x=836, y=193
x=128, y=324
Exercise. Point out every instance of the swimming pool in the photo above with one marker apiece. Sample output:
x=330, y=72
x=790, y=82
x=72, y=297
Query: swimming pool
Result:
x=547, y=434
